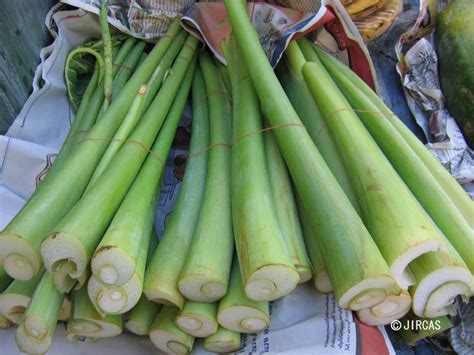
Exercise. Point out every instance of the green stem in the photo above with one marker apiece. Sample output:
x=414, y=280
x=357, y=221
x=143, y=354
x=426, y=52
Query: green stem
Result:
x=205, y=274
x=239, y=313
x=267, y=268
x=223, y=341
x=4, y=323
x=140, y=61
x=71, y=240
x=408, y=164
x=82, y=122
x=16, y=297
x=141, y=316
x=36, y=330
x=5, y=280
x=79, y=120
x=392, y=308
x=85, y=116
x=440, y=278
x=126, y=128
x=320, y=274
x=136, y=213
x=398, y=224
x=163, y=69
x=224, y=75
x=120, y=258
x=86, y=321
x=126, y=57
x=121, y=77
x=124, y=71
x=166, y=335
x=290, y=76
x=198, y=319
x=105, y=32
x=285, y=208
x=92, y=100
x=162, y=275
x=141, y=102
x=455, y=192
x=59, y=192
x=343, y=239
x=413, y=333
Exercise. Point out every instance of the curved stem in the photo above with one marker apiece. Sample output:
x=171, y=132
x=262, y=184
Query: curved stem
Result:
x=99, y=66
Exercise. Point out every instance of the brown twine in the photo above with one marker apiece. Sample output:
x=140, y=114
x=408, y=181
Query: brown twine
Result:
x=149, y=150
x=122, y=66
x=227, y=145
x=126, y=141
x=131, y=69
x=101, y=67
x=245, y=135
x=174, y=39
x=75, y=134
x=214, y=93
x=266, y=129
x=381, y=113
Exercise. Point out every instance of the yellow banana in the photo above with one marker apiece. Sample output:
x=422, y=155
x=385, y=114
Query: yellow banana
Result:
x=379, y=21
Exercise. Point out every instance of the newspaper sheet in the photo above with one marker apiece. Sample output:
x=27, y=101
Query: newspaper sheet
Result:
x=418, y=70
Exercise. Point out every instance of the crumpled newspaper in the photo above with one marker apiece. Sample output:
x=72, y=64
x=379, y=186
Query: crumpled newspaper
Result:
x=426, y=101
x=418, y=70
x=422, y=85
x=276, y=26
x=302, y=5
x=146, y=19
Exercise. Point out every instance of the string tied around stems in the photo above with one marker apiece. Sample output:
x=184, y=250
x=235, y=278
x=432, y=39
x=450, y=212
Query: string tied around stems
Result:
x=223, y=144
